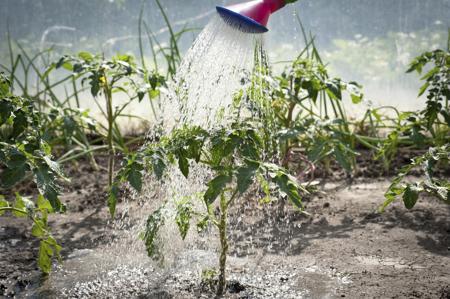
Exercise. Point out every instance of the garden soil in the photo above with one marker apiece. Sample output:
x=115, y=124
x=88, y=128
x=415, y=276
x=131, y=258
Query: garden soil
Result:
x=349, y=249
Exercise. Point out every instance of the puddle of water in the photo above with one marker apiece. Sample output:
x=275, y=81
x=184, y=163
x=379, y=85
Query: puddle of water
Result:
x=95, y=274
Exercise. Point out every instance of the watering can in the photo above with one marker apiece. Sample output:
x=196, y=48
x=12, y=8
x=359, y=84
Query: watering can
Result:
x=253, y=16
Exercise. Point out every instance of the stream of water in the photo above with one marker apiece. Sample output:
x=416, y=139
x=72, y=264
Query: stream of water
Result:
x=216, y=67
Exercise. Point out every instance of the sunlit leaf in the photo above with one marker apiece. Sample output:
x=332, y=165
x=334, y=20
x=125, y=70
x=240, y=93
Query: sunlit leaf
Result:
x=45, y=257
x=22, y=206
x=86, y=56
x=3, y=204
x=37, y=229
x=44, y=204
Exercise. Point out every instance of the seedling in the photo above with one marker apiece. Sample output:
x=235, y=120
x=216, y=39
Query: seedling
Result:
x=233, y=157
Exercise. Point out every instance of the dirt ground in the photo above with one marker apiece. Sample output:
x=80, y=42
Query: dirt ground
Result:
x=396, y=254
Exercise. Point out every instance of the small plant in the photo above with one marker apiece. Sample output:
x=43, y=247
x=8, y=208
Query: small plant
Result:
x=431, y=125
x=309, y=109
x=105, y=78
x=208, y=278
x=38, y=214
x=233, y=156
x=66, y=124
x=410, y=192
x=436, y=115
x=24, y=154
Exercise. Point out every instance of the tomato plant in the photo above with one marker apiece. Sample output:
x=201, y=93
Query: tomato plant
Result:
x=233, y=156
x=431, y=125
x=308, y=111
x=410, y=191
x=434, y=121
x=24, y=152
x=107, y=77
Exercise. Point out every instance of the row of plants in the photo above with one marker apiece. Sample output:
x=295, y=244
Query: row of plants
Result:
x=43, y=125
x=302, y=108
x=299, y=112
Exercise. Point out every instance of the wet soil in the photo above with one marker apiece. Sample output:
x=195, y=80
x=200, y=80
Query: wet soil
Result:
x=343, y=248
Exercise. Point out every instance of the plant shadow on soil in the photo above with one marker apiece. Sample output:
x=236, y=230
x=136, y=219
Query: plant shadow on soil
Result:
x=289, y=233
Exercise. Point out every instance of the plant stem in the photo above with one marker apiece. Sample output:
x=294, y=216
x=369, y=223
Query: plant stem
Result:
x=110, y=115
x=223, y=245
x=11, y=209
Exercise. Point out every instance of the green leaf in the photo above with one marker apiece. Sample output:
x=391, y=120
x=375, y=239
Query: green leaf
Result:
x=290, y=188
x=342, y=158
x=5, y=111
x=45, y=257
x=95, y=83
x=356, y=99
x=410, y=196
x=54, y=166
x=390, y=198
x=20, y=123
x=4, y=85
x=37, y=229
x=154, y=223
x=215, y=187
x=183, y=218
x=10, y=177
x=86, y=56
x=141, y=94
x=158, y=164
x=203, y=224
x=69, y=126
x=46, y=183
x=48, y=249
x=245, y=176
x=423, y=89
x=60, y=62
x=183, y=164
x=23, y=206
x=316, y=151
x=68, y=66
x=135, y=177
x=289, y=134
x=334, y=90
x=48, y=70
x=44, y=204
x=56, y=247
x=154, y=93
x=431, y=73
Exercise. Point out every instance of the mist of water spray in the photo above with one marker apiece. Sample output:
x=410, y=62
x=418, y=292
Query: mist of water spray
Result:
x=213, y=70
